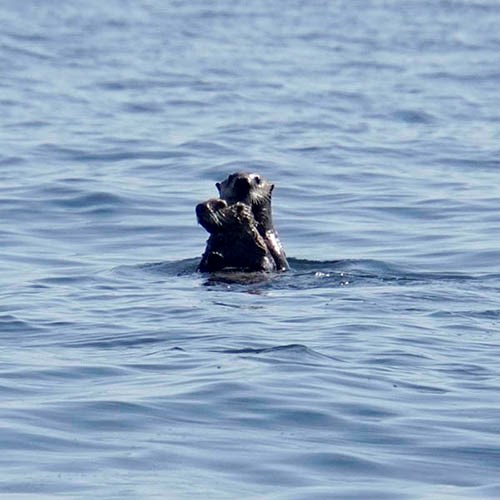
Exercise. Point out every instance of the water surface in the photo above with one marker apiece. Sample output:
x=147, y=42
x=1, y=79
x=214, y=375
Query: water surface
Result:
x=368, y=371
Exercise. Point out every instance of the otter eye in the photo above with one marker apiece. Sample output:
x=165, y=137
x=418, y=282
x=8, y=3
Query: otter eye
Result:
x=257, y=180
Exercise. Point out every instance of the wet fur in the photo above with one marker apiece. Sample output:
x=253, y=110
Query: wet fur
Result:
x=255, y=191
x=234, y=241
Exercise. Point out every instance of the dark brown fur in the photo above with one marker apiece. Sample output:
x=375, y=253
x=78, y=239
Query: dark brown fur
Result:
x=234, y=241
x=256, y=192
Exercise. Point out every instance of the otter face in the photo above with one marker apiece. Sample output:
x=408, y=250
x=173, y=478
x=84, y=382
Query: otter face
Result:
x=248, y=188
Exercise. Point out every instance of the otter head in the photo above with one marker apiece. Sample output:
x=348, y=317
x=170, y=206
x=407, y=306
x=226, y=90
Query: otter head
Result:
x=252, y=190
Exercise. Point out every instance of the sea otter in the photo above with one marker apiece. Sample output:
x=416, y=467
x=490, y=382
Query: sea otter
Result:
x=255, y=191
x=234, y=242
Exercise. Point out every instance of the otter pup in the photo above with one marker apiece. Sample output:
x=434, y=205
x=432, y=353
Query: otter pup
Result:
x=234, y=240
x=254, y=191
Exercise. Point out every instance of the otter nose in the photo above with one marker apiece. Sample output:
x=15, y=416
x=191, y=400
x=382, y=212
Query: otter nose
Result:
x=242, y=184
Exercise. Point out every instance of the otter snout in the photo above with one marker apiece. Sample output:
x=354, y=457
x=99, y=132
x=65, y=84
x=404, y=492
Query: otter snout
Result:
x=244, y=187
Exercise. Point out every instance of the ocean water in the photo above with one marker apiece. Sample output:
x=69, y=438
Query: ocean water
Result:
x=370, y=370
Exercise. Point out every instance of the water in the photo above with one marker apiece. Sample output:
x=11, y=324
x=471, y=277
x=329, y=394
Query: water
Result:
x=368, y=371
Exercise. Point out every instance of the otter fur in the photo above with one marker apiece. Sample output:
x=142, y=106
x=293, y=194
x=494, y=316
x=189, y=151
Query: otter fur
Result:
x=255, y=191
x=241, y=228
x=234, y=241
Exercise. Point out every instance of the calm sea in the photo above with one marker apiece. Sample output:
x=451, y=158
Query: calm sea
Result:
x=371, y=370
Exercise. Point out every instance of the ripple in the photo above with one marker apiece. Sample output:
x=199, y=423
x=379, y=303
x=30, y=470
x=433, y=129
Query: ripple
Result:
x=298, y=352
x=306, y=273
x=141, y=108
x=16, y=51
x=11, y=324
x=413, y=116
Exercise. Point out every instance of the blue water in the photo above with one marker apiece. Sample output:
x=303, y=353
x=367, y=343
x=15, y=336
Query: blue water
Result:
x=370, y=370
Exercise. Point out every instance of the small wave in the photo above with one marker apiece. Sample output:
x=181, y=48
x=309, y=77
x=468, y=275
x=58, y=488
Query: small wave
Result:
x=114, y=342
x=108, y=155
x=413, y=116
x=91, y=200
x=369, y=269
x=11, y=161
x=17, y=51
x=133, y=84
x=487, y=314
x=173, y=268
x=201, y=148
x=11, y=324
x=143, y=108
x=306, y=274
x=297, y=352
x=65, y=196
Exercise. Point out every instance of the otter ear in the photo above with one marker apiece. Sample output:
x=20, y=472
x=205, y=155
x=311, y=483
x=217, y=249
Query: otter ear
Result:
x=217, y=185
